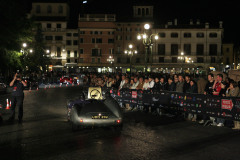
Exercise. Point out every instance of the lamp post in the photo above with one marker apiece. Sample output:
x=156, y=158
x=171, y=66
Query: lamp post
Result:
x=25, y=52
x=130, y=52
x=111, y=60
x=147, y=39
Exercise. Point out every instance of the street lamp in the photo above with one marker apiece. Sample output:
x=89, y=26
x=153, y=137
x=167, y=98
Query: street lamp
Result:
x=130, y=52
x=111, y=60
x=147, y=39
x=184, y=59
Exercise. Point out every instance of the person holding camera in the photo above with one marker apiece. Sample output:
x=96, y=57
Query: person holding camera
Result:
x=17, y=97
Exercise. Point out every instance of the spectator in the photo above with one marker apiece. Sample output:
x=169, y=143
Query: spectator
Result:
x=163, y=84
x=156, y=84
x=171, y=84
x=217, y=87
x=180, y=83
x=126, y=83
x=135, y=83
x=109, y=82
x=151, y=82
x=201, y=84
x=146, y=84
x=233, y=91
x=192, y=88
x=186, y=84
x=122, y=82
x=140, y=84
x=209, y=86
x=118, y=81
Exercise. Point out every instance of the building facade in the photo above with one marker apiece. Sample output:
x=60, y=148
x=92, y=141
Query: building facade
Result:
x=53, y=17
x=101, y=38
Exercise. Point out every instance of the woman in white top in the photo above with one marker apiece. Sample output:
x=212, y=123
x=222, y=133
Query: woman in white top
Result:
x=146, y=84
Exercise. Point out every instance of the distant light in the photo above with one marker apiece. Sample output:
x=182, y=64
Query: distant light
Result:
x=24, y=45
x=84, y=2
x=48, y=51
x=130, y=46
x=30, y=50
x=146, y=26
x=156, y=37
x=144, y=36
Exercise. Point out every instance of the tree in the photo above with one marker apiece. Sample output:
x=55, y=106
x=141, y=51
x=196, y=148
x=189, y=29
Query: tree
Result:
x=37, y=60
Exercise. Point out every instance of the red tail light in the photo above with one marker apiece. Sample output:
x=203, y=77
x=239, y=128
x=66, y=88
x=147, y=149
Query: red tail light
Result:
x=81, y=120
x=118, y=121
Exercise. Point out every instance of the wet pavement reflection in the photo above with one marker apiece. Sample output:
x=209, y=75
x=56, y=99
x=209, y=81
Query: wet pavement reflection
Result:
x=46, y=134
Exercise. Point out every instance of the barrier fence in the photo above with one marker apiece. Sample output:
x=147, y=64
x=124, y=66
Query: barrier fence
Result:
x=213, y=106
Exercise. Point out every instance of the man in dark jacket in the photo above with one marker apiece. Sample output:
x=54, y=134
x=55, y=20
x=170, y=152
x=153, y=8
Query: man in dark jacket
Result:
x=17, y=97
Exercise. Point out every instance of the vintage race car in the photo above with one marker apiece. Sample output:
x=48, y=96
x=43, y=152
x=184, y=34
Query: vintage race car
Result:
x=97, y=109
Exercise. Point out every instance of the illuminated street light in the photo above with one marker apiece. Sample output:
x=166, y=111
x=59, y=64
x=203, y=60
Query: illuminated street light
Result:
x=111, y=60
x=147, y=39
x=130, y=52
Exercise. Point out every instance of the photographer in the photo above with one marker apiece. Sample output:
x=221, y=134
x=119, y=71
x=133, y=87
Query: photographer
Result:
x=17, y=96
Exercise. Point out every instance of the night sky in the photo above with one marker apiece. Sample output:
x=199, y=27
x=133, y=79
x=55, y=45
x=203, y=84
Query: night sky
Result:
x=211, y=11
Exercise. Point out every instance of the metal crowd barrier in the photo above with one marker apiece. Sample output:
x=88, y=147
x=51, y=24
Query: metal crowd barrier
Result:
x=213, y=106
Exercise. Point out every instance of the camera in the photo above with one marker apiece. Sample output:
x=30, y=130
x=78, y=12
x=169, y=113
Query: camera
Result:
x=17, y=71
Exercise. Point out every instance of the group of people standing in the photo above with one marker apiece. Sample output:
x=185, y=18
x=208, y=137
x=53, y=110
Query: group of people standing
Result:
x=179, y=83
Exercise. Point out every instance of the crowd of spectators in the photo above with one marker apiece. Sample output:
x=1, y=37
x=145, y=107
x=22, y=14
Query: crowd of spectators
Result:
x=176, y=82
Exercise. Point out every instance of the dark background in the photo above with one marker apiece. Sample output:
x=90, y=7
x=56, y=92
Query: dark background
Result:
x=211, y=11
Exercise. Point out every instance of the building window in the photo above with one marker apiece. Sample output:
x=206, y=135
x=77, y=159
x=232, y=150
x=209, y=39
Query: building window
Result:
x=128, y=37
x=68, y=34
x=75, y=54
x=81, y=51
x=174, y=35
x=161, y=59
x=227, y=50
x=118, y=50
x=200, y=49
x=119, y=37
x=93, y=60
x=38, y=9
x=187, y=35
x=93, y=40
x=138, y=29
x=81, y=40
x=82, y=32
x=200, y=60
x=147, y=11
x=80, y=60
x=59, y=26
x=162, y=35
x=174, y=59
x=213, y=60
x=174, y=49
x=187, y=49
x=49, y=38
x=213, y=49
x=68, y=60
x=76, y=61
x=49, y=25
x=75, y=42
x=128, y=29
x=76, y=34
x=111, y=51
x=161, y=49
x=137, y=60
x=98, y=40
x=60, y=9
x=49, y=9
x=96, y=52
x=58, y=52
x=213, y=35
x=139, y=11
x=110, y=40
x=200, y=35
x=58, y=38
x=118, y=60
x=99, y=60
x=68, y=53
x=68, y=42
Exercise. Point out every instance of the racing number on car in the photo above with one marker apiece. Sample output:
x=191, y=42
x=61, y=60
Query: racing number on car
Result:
x=95, y=94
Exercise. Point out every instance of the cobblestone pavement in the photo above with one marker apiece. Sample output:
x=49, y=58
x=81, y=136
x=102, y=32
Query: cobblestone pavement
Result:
x=45, y=134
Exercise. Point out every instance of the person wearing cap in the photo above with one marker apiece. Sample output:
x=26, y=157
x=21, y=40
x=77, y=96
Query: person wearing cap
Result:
x=17, y=97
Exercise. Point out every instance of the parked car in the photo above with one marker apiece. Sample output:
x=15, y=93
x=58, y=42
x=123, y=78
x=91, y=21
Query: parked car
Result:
x=66, y=80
